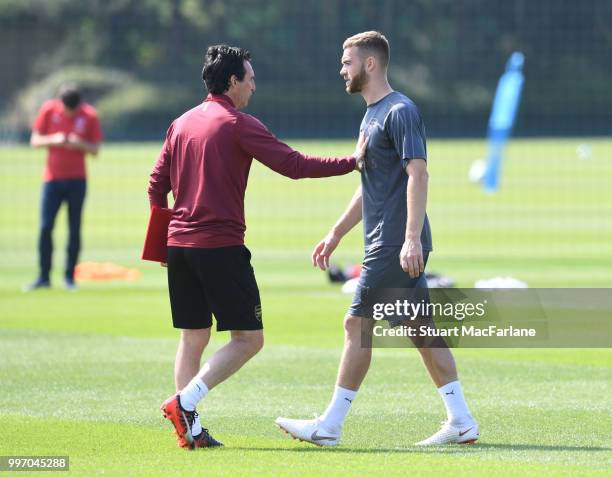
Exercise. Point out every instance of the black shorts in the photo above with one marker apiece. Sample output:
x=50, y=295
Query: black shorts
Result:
x=219, y=281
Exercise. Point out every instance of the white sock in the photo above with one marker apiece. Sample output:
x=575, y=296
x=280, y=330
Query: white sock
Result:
x=338, y=408
x=193, y=393
x=456, y=407
x=196, y=428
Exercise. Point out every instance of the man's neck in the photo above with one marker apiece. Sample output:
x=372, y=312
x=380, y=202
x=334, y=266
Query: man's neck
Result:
x=374, y=91
x=233, y=98
x=70, y=112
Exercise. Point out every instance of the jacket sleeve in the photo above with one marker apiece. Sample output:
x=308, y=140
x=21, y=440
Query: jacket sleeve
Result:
x=257, y=141
x=159, y=180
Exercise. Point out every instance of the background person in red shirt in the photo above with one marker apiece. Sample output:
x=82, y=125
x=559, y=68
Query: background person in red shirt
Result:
x=205, y=162
x=69, y=128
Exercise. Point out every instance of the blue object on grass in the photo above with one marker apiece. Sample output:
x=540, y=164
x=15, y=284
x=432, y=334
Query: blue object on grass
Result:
x=503, y=114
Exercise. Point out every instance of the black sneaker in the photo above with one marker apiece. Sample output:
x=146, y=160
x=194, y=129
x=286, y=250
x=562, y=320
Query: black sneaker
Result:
x=37, y=284
x=204, y=439
x=70, y=285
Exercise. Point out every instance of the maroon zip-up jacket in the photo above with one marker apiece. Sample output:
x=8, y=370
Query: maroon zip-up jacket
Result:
x=205, y=161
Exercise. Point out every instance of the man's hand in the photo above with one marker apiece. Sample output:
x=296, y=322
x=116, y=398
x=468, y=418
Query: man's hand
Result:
x=74, y=141
x=163, y=264
x=360, y=151
x=323, y=250
x=411, y=258
x=58, y=139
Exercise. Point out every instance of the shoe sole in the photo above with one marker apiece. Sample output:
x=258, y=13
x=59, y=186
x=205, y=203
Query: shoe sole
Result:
x=186, y=436
x=282, y=429
x=294, y=437
x=469, y=442
x=216, y=446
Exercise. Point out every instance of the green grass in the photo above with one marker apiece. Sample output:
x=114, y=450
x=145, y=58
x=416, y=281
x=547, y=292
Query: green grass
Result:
x=82, y=374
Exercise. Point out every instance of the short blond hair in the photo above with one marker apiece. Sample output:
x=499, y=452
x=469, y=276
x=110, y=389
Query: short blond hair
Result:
x=372, y=42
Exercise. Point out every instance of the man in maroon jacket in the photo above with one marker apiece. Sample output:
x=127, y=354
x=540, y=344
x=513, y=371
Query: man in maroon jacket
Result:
x=205, y=162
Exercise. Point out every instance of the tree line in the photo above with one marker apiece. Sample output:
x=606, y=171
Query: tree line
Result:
x=140, y=60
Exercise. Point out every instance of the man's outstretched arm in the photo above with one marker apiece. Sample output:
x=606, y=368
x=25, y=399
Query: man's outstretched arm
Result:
x=257, y=141
x=351, y=217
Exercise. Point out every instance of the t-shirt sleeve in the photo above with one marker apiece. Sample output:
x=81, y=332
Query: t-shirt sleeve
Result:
x=94, y=133
x=406, y=131
x=41, y=122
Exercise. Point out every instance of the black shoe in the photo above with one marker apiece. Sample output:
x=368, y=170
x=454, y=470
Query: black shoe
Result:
x=70, y=285
x=37, y=284
x=204, y=439
x=336, y=275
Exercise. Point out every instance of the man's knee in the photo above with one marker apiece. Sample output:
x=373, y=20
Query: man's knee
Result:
x=358, y=333
x=74, y=235
x=195, y=339
x=355, y=326
x=46, y=229
x=250, y=341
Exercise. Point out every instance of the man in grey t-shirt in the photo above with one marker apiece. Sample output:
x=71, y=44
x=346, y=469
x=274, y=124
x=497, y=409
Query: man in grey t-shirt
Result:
x=391, y=201
x=396, y=135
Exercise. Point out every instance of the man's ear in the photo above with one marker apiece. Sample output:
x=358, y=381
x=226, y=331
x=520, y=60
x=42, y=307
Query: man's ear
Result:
x=370, y=63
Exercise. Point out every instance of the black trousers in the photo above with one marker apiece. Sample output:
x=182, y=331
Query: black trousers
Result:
x=54, y=193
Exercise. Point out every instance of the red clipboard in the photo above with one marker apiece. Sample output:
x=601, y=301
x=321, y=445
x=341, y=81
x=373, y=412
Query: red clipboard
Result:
x=156, y=242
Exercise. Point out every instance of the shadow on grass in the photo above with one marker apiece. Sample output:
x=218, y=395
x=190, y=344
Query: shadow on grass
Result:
x=434, y=449
x=541, y=447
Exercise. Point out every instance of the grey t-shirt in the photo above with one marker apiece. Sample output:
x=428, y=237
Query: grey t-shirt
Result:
x=396, y=135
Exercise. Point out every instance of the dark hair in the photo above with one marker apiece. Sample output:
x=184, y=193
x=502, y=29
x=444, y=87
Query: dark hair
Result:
x=220, y=63
x=70, y=95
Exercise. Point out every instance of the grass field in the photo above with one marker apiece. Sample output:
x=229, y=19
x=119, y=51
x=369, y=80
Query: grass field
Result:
x=82, y=374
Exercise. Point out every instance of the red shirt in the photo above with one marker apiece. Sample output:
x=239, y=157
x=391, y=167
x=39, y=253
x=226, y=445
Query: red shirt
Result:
x=205, y=161
x=63, y=163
